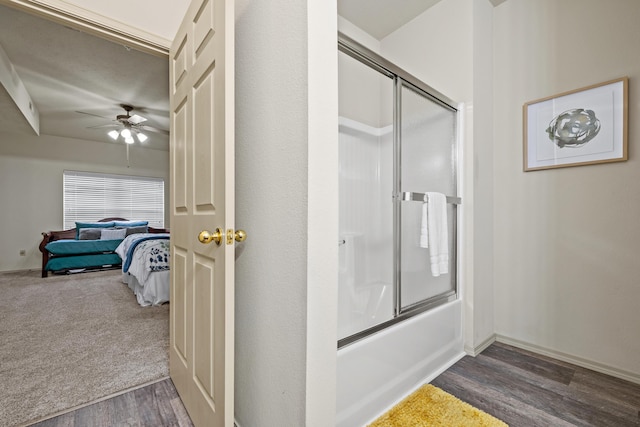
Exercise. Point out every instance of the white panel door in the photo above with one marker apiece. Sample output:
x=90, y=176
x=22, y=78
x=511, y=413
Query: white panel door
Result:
x=202, y=199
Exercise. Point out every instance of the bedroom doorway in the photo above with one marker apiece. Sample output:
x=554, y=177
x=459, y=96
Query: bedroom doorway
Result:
x=43, y=168
x=214, y=375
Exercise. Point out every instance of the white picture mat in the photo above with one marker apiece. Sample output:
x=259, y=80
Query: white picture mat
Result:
x=607, y=101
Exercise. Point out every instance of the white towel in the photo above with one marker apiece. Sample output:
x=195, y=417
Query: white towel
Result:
x=424, y=230
x=434, y=232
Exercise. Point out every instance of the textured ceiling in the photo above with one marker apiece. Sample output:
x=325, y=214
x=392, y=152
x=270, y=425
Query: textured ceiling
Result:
x=380, y=18
x=66, y=71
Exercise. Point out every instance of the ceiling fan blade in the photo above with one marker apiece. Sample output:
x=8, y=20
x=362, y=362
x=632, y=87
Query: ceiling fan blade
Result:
x=156, y=130
x=111, y=125
x=94, y=115
x=136, y=119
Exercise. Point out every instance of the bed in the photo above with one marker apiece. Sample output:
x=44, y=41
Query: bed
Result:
x=84, y=247
x=145, y=266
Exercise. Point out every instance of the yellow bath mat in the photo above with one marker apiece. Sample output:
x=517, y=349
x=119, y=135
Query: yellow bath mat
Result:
x=431, y=406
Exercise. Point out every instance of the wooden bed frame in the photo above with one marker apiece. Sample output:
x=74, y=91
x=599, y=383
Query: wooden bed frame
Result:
x=51, y=236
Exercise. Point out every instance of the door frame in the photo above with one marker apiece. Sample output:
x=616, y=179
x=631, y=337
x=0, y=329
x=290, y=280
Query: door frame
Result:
x=93, y=23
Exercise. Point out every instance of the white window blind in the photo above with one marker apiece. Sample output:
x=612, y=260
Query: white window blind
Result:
x=89, y=197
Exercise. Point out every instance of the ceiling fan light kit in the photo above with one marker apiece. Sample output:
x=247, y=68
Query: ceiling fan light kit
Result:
x=127, y=135
x=130, y=126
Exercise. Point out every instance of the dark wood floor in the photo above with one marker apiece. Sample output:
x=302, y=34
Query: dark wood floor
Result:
x=525, y=389
x=156, y=405
x=521, y=388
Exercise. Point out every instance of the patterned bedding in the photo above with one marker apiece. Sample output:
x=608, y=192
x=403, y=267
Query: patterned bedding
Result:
x=144, y=253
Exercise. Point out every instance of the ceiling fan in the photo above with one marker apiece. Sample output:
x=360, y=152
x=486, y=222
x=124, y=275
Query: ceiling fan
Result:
x=128, y=126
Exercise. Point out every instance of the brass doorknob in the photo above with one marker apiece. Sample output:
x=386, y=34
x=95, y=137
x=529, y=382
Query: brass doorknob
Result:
x=240, y=235
x=207, y=237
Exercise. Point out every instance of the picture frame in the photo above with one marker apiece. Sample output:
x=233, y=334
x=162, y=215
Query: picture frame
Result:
x=584, y=126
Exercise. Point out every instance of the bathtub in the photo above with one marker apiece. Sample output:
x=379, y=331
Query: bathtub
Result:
x=375, y=373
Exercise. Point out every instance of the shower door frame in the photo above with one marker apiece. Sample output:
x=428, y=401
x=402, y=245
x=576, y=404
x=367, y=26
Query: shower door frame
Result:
x=403, y=79
x=400, y=310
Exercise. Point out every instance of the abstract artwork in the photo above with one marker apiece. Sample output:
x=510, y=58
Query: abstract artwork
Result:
x=580, y=127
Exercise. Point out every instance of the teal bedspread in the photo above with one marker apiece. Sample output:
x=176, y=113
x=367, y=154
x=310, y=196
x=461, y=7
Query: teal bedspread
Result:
x=82, y=247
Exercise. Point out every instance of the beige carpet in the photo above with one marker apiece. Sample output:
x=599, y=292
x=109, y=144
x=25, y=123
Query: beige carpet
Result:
x=69, y=340
x=430, y=406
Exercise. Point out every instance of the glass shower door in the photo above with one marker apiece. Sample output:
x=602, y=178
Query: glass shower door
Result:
x=427, y=157
x=365, y=281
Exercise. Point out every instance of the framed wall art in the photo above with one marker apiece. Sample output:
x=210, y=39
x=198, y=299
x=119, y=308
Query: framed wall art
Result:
x=581, y=127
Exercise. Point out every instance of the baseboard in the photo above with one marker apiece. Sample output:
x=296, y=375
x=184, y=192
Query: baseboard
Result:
x=23, y=270
x=474, y=351
x=575, y=360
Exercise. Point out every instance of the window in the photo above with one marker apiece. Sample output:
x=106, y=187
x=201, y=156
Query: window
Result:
x=90, y=197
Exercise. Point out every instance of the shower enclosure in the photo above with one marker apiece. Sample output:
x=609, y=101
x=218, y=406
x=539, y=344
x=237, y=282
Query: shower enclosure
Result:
x=397, y=141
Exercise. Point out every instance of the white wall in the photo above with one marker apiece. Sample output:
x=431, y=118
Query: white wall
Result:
x=271, y=204
x=478, y=177
x=322, y=214
x=437, y=48
x=566, y=240
x=31, y=170
x=286, y=199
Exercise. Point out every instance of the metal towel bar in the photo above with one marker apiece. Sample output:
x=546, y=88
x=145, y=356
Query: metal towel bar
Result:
x=419, y=197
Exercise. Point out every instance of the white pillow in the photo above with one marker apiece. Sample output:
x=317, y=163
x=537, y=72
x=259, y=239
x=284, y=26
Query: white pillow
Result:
x=113, y=234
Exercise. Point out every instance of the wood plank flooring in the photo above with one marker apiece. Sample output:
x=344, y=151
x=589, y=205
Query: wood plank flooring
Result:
x=521, y=388
x=526, y=389
x=156, y=405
